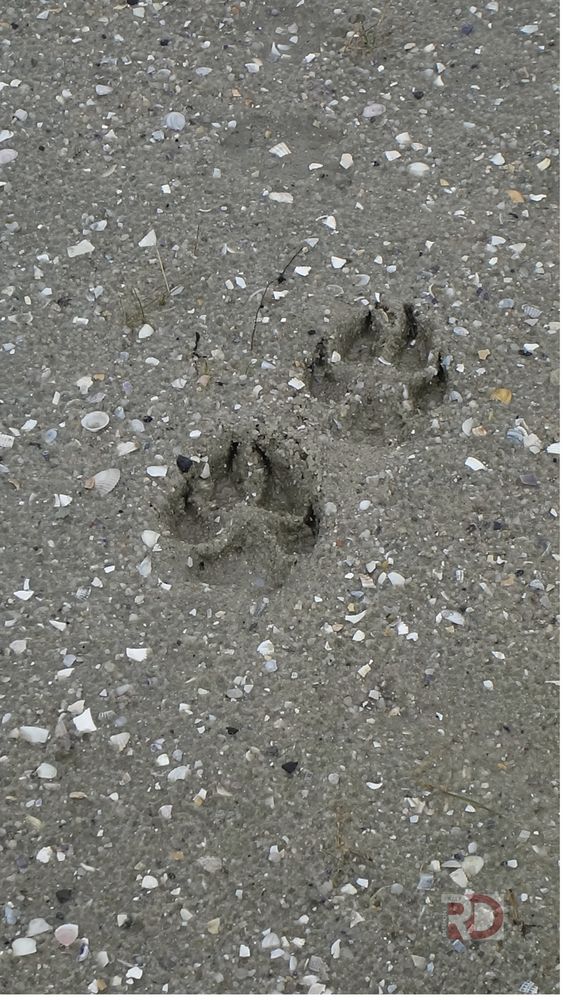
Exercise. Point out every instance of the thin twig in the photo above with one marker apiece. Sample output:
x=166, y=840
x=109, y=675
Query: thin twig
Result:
x=163, y=271
x=142, y=311
x=457, y=795
x=273, y=281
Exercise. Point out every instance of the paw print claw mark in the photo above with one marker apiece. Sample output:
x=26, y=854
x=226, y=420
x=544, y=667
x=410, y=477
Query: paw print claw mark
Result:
x=253, y=514
x=385, y=371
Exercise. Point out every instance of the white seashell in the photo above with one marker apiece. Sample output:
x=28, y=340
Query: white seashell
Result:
x=145, y=567
x=84, y=383
x=80, y=248
x=126, y=447
x=6, y=440
x=281, y=196
x=467, y=426
x=149, y=882
x=176, y=121
x=373, y=110
x=178, y=773
x=136, y=654
x=337, y=262
x=34, y=734
x=150, y=538
x=95, y=421
x=280, y=149
x=396, y=580
x=157, y=471
x=38, y=926
x=24, y=946
x=473, y=864
x=302, y=271
x=149, y=240
x=553, y=449
x=459, y=877
x=266, y=648
x=418, y=169
x=7, y=156
x=475, y=464
x=66, y=934
x=62, y=500
x=84, y=722
x=346, y=161
x=120, y=740
x=46, y=771
x=455, y=617
x=145, y=331
x=103, y=482
x=532, y=311
x=296, y=383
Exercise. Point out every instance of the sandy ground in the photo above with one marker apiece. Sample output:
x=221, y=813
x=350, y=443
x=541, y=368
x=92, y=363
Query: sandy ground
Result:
x=261, y=717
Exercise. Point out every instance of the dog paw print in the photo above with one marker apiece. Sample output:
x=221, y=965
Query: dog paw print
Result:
x=247, y=512
x=377, y=371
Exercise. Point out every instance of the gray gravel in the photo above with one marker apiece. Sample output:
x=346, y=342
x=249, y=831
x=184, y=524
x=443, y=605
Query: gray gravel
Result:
x=264, y=713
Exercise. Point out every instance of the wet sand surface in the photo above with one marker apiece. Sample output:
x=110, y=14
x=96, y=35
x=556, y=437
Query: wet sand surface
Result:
x=279, y=479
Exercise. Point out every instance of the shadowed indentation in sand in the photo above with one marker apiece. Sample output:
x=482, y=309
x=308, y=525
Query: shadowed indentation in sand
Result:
x=377, y=371
x=247, y=513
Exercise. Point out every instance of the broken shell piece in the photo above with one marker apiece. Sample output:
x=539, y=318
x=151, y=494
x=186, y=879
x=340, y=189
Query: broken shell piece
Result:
x=6, y=440
x=24, y=946
x=280, y=149
x=95, y=421
x=126, y=447
x=149, y=240
x=66, y=934
x=84, y=722
x=502, y=395
x=475, y=464
x=120, y=740
x=281, y=196
x=346, y=161
x=373, y=111
x=418, y=169
x=150, y=538
x=103, y=482
x=34, y=734
x=37, y=925
x=138, y=654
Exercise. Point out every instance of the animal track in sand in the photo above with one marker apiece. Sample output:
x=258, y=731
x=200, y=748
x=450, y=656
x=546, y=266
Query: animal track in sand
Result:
x=248, y=511
x=377, y=372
